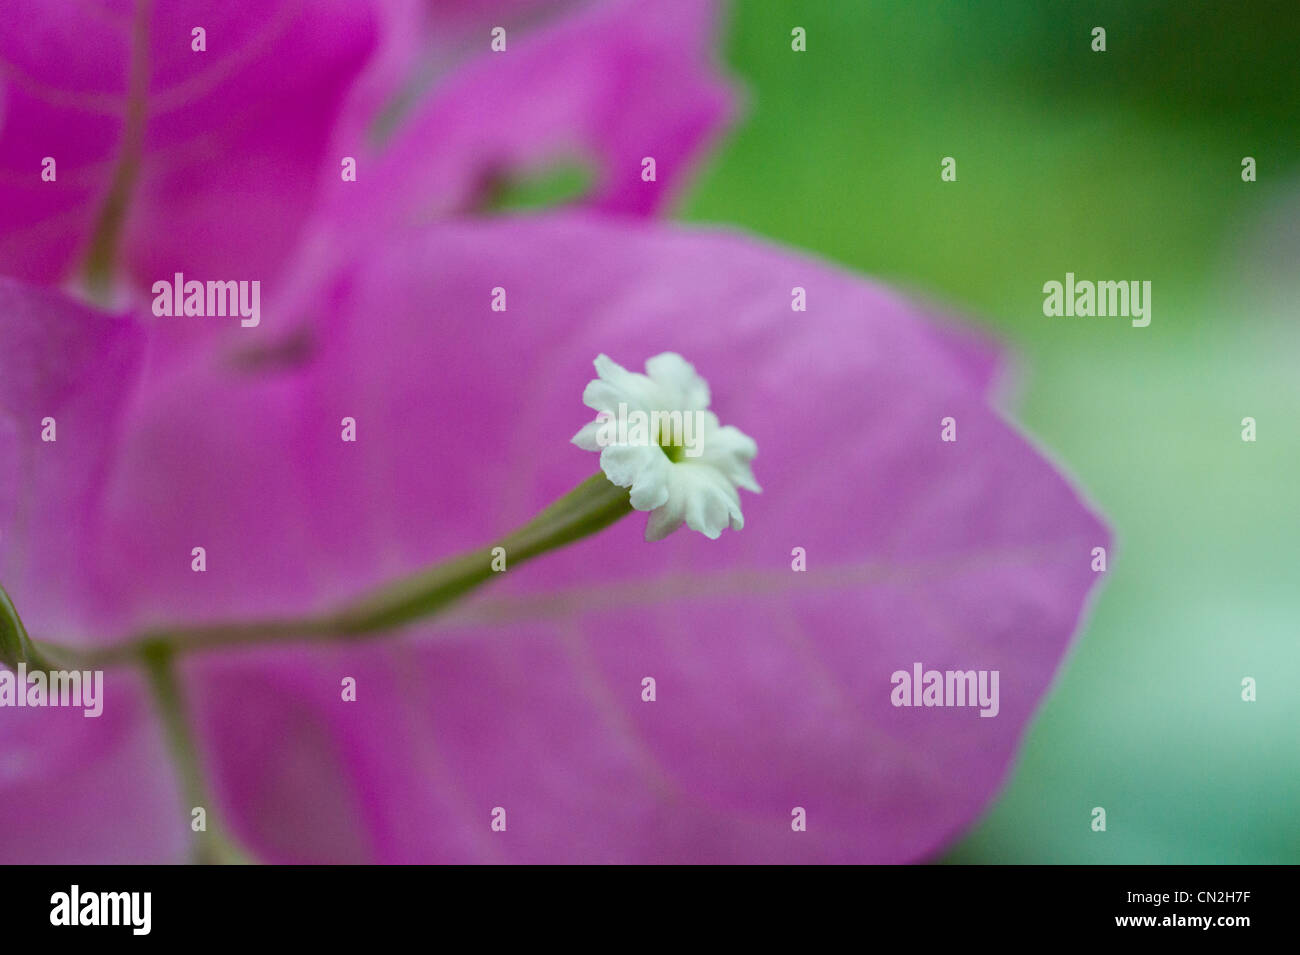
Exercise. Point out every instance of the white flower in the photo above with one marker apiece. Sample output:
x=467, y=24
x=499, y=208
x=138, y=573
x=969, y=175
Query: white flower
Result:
x=656, y=436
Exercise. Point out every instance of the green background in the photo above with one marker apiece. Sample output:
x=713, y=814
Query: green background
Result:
x=1117, y=165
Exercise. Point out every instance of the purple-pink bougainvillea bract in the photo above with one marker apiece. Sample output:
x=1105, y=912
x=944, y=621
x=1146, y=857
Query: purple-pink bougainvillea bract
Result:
x=773, y=686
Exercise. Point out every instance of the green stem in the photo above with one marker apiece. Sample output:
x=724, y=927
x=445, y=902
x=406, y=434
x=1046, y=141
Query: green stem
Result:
x=591, y=506
x=211, y=847
x=15, y=646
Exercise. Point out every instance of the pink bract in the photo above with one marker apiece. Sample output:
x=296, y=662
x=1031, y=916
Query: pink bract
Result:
x=773, y=686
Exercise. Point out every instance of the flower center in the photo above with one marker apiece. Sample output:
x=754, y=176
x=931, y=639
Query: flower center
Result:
x=672, y=441
x=675, y=452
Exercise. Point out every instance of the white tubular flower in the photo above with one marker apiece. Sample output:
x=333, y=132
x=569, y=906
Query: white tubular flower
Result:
x=656, y=436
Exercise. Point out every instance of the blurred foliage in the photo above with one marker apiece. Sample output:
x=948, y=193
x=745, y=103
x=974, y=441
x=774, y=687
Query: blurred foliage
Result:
x=1117, y=165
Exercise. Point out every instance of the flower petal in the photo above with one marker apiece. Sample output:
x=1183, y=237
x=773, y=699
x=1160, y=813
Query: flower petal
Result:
x=616, y=385
x=730, y=450
x=643, y=468
x=686, y=390
x=588, y=436
x=712, y=504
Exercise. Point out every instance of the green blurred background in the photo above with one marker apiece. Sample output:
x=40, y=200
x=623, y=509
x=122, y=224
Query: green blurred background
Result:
x=1117, y=165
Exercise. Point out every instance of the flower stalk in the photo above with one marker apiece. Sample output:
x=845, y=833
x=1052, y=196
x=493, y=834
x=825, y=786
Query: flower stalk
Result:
x=592, y=506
